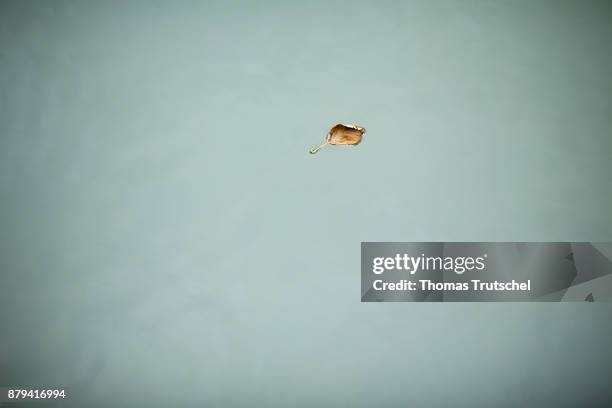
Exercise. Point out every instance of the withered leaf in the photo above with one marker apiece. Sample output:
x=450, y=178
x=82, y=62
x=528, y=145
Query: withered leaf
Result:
x=342, y=135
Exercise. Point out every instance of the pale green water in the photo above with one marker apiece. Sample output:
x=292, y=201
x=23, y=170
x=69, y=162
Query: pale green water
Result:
x=166, y=237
